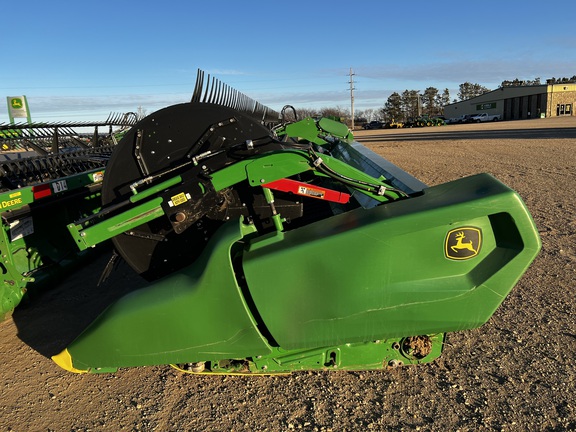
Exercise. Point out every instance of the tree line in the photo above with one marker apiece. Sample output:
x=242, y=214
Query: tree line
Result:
x=413, y=103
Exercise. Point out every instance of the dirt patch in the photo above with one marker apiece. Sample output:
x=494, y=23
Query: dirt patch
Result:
x=516, y=373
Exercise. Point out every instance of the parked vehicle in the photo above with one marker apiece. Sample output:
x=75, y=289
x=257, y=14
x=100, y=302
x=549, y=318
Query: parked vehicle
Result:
x=485, y=117
x=375, y=124
x=464, y=118
x=393, y=124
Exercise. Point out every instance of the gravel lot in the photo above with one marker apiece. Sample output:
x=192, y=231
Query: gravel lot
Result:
x=516, y=373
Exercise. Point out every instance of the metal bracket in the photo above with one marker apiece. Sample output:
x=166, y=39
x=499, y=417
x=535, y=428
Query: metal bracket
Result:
x=207, y=135
x=138, y=153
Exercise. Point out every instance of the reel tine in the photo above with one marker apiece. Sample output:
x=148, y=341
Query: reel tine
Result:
x=209, y=93
x=205, y=91
x=219, y=93
x=216, y=92
x=198, y=86
x=234, y=97
x=228, y=96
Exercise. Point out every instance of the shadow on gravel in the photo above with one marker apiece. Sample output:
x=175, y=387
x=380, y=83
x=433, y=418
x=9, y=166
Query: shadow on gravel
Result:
x=50, y=320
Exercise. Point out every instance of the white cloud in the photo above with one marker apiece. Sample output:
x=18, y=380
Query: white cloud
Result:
x=484, y=72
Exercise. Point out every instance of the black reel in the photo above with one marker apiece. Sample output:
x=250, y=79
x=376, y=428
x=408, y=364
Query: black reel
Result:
x=165, y=144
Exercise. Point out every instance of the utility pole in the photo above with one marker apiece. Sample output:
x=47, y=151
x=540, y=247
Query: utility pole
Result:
x=419, y=105
x=352, y=96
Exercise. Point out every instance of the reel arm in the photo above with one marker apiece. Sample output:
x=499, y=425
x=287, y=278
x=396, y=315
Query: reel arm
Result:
x=165, y=198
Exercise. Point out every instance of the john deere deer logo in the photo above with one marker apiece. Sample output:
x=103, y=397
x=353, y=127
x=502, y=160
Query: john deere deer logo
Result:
x=463, y=243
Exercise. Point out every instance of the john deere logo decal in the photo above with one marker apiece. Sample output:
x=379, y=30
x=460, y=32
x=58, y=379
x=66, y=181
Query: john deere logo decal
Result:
x=17, y=103
x=463, y=243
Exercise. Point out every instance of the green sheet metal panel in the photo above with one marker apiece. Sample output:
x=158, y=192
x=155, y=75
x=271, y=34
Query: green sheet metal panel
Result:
x=379, y=273
x=193, y=315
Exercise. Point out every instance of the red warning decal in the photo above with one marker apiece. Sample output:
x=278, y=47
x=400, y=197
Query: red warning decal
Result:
x=304, y=189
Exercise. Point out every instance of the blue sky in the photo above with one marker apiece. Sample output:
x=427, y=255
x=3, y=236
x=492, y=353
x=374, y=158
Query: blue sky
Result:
x=81, y=60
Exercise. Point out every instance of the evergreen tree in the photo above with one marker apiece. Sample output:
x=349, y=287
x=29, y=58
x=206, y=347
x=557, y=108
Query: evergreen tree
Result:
x=393, y=108
x=430, y=102
x=469, y=90
x=411, y=103
x=444, y=99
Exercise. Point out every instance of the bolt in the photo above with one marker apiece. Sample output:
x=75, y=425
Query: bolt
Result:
x=180, y=217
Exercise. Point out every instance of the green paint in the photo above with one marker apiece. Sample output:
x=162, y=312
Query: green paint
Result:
x=90, y=236
x=386, y=274
x=385, y=277
x=192, y=315
x=34, y=243
x=346, y=292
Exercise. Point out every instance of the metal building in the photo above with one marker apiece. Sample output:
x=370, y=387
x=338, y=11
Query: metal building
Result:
x=522, y=102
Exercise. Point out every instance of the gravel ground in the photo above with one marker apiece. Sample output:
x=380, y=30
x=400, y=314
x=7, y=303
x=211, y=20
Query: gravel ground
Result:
x=515, y=373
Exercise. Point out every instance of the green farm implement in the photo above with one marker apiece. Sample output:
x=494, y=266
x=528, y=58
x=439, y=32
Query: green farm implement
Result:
x=49, y=176
x=271, y=246
x=425, y=121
